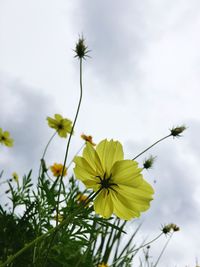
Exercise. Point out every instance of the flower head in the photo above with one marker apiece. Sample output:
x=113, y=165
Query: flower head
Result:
x=62, y=125
x=122, y=189
x=88, y=138
x=148, y=163
x=15, y=176
x=103, y=265
x=5, y=138
x=81, y=49
x=57, y=169
x=171, y=227
x=176, y=131
x=81, y=198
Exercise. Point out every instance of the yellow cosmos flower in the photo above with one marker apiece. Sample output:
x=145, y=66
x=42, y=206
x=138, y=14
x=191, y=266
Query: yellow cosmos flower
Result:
x=5, y=138
x=57, y=169
x=88, y=138
x=82, y=199
x=62, y=125
x=103, y=265
x=15, y=177
x=123, y=191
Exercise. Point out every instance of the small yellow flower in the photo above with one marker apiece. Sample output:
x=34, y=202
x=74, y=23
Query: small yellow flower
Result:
x=82, y=198
x=5, y=138
x=103, y=265
x=57, y=169
x=88, y=138
x=122, y=189
x=62, y=125
x=15, y=176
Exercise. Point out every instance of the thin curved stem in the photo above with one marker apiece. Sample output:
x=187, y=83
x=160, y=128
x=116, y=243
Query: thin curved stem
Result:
x=65, y=159
x=69, y=140
x=45, y=150
x=134, y=250
x=76, y=155
x=163, y=250
x=152, y=146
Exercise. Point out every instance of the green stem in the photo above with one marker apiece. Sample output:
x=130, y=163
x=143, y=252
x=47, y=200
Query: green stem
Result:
x=76, y=155
x=45, y=150
x=134, y=250
x=66, y=155
x=69, y=140
x=152, y=146
x=163, y=250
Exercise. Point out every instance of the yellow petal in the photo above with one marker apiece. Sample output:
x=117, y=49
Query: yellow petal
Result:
x=58, y=117
x=6, y=134
x=9, y=142
x=51, y=122
x=109, y=152
x=103, y=204
x=136, y=198
x=121, y=210
x=92, y=158
x=126, y=172
x=84, y=172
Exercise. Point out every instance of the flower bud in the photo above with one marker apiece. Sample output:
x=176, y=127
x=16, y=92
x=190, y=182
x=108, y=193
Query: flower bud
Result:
x=81, y=49
x=148, y=163
x=176, y=131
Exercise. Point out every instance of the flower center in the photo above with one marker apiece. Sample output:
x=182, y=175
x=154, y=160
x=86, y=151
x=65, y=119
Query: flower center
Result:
x=106, y=182
x=60, y=126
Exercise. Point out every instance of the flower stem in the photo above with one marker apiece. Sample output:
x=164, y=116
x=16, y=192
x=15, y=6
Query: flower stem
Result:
x=165, y=246
x=45, y=150
x=134, y=250
x=152, y=146
x=69, y=140
x=76, y=155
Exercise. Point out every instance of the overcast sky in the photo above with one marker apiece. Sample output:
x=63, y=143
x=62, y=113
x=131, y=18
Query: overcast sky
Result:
x=142, y=79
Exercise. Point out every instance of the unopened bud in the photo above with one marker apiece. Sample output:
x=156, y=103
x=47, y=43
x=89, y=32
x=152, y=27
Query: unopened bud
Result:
x=148, y=163
x=81, y=49
x=176, y=131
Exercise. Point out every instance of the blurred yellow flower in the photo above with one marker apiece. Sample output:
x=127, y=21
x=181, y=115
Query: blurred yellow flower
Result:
x=62, y=125
x=15, y=176
x=82, y=198
x=88, y=138
x=57, y=169
x=5, y=138
x=103, y=265
x=123, y=191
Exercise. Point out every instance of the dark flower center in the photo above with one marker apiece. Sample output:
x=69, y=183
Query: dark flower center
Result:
x=106, y=182
x=60, y=126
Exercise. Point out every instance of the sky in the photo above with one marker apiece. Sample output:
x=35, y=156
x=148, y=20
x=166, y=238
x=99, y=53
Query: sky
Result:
x=142, y=78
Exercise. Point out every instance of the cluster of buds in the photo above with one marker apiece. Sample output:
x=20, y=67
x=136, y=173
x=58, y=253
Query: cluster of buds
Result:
x=170, y=227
